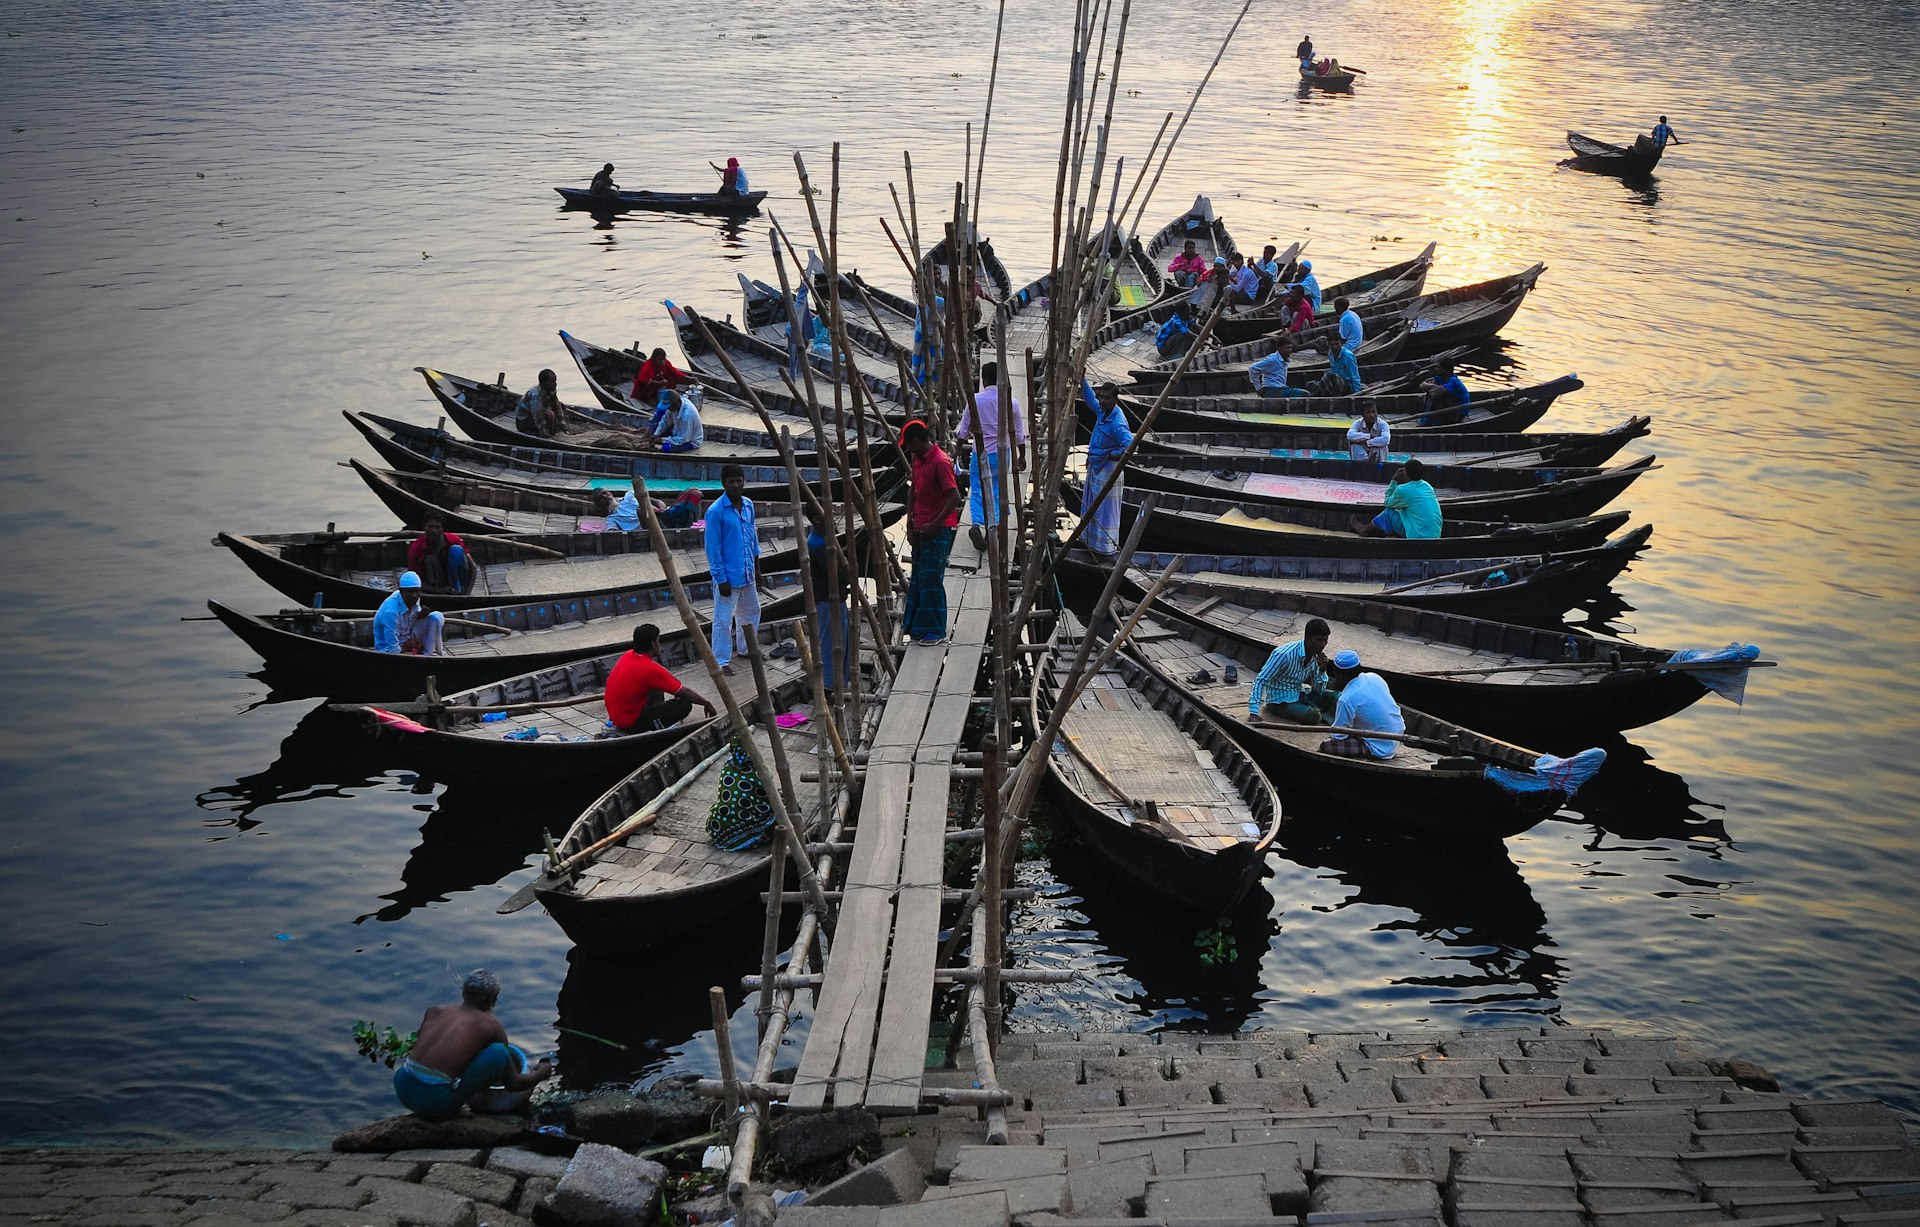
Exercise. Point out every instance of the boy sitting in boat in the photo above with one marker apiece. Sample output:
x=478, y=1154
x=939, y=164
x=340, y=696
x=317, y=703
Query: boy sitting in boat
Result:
x=441, y=558
x=603, y=184
x=493, y=1075
x=538, y=412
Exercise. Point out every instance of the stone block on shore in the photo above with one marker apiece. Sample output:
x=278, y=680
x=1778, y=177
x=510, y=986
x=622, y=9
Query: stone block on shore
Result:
x=894, y=1179
x=1109, y=1190
x=1242, y=1196
x=604, y=1187
x=519, y=1161
x=417, y=1203
x=494, y=1187
x=825, y=1137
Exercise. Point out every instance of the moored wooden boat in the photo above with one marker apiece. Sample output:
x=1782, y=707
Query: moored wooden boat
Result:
x=1226, y=526
x=766, y=316
x=471, y=505
x=1519, y=681
x=1462, y=315
x=1154, y=786
x=341, y=571
x=412, y=448
x=666, y=878
x=486, y=413
x=1225, y=369
x=1138, y=290
x=1543, y=449
x=336, y=654
x=1500, y=411
x=1482, y=492
x=1437, y=785
x=1394, y=283
x=1599, y=157
x=1531, y=589
x=661, y=202
x=765, y=368
x=572, y=745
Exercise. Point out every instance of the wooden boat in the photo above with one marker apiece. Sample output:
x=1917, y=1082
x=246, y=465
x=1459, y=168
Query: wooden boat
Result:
x=667, y=879
x=1211, y=240
x=486, y=413
x=1179, y=520
x=1154, y=786
x=765, y=368
x=1225, y=369
x=1483, y=492
x=1496, y=411
x=425, y=449
x=336, y=654
x=346, y=571
x=1520, y=681
x=1463, y=315
x=1435, y=786
x=471, y=505
x=1531, y=589
x=1334, y=78
x=571, y=746
x=986, y=265
x=1599, y=157
x=1394, y=283
x=661, y=202
x=1545, y=449
x=766, y=316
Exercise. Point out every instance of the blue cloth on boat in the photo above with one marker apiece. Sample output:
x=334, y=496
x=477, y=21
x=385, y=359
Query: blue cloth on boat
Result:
x=1728, y=683
x=427, y=1092
x=1550, y=774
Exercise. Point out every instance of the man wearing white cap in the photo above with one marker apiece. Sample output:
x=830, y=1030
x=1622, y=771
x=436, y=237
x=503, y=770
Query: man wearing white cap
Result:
x=1309, y=284
x=1366, y=705
x=401, y=625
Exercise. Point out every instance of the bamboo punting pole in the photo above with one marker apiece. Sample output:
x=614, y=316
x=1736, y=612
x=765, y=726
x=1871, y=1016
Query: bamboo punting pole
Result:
x=993, y=870
x=985, y=1035
x=723, y=1039
x=796, y=841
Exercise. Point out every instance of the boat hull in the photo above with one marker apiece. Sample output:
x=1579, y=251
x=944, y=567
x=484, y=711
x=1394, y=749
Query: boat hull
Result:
x=661, y=202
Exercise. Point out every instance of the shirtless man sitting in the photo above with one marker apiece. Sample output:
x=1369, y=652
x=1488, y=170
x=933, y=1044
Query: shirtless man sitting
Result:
x=492, y=1074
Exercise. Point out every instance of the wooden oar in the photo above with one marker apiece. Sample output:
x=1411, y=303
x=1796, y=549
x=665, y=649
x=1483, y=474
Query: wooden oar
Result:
x=1413, y=739
x=512, y=543
x=645, y=818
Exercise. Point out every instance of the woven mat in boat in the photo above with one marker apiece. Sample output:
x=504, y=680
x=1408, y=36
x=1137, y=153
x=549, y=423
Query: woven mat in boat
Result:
x=1240, y=519
x=1145, y=753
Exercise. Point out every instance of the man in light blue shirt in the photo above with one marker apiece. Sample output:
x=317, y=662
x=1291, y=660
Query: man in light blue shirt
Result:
x=1343, y=372
x=684, y=431
x=1351, y=330
x=1244, y=282
x=400, y=625
x=1292, y=687
x=733, y=553
x=1367, y=706
x=1412, y=511
x=1269, y=374
x=1662, y=134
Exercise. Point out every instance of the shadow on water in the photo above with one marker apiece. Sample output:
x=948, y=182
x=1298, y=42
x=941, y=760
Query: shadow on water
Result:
x=323, y=756
x=1633, y=799
x=1470, y=900
x=730, y=232
x=474, y=838
x=1158, y=947
x=622, y=1015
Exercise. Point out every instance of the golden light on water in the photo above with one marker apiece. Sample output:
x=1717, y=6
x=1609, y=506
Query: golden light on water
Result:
x=1484, y=45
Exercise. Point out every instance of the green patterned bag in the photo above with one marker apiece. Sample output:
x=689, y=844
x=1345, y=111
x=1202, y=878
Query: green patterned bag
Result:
x=741, y=814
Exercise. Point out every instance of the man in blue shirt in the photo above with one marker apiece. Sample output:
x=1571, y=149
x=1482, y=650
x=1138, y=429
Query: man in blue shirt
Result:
x=1351, y=330
x=1176, y=336
x=1446, y=397
x=1292, y=686
x=1269, y=374
x=733, y=553
x=1244, y=280
x=1343, y=372
x=400, y=625
x=1662, y=134
x=684, y=433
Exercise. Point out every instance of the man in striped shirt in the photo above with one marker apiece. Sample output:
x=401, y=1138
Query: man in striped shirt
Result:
x=1292, y=686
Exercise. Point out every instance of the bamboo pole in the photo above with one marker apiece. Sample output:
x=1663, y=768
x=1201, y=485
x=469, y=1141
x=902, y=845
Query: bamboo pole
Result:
x=796, y=841
x=984, y=1037
x=723, y=1039
x=986, y=119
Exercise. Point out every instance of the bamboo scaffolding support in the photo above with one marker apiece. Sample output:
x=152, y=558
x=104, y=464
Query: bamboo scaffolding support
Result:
x=984, y=1037
x=723, y=1040
x=761, y=1091
x=948, y=975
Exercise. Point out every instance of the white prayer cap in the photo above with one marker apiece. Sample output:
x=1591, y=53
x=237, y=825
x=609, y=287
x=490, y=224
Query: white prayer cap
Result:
x=1346, y=659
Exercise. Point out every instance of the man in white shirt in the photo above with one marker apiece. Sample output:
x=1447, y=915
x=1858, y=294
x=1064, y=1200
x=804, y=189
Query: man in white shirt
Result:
x=982, y=430
x=1369, y=436
x=1366, y=706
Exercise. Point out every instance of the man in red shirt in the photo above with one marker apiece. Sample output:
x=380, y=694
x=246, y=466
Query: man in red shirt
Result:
x=641, y=695
x=654, y=374
x=441, y=559
x=1298, y=311
x=932, y=516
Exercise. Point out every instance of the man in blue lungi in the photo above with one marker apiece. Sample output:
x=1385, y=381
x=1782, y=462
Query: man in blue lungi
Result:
x=1111, y=438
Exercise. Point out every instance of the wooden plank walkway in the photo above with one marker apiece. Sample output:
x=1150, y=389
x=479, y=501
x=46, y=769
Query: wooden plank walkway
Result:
x=868, y=1039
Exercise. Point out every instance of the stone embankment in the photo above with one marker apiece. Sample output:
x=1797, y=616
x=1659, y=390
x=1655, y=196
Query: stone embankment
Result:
x=1507, y=1128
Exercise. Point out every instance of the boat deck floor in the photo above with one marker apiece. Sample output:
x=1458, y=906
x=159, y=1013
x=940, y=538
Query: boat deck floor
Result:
x=1144, y=752
x=588, y=720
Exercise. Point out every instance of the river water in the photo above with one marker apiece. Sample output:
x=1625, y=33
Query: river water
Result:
x=223, y=223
